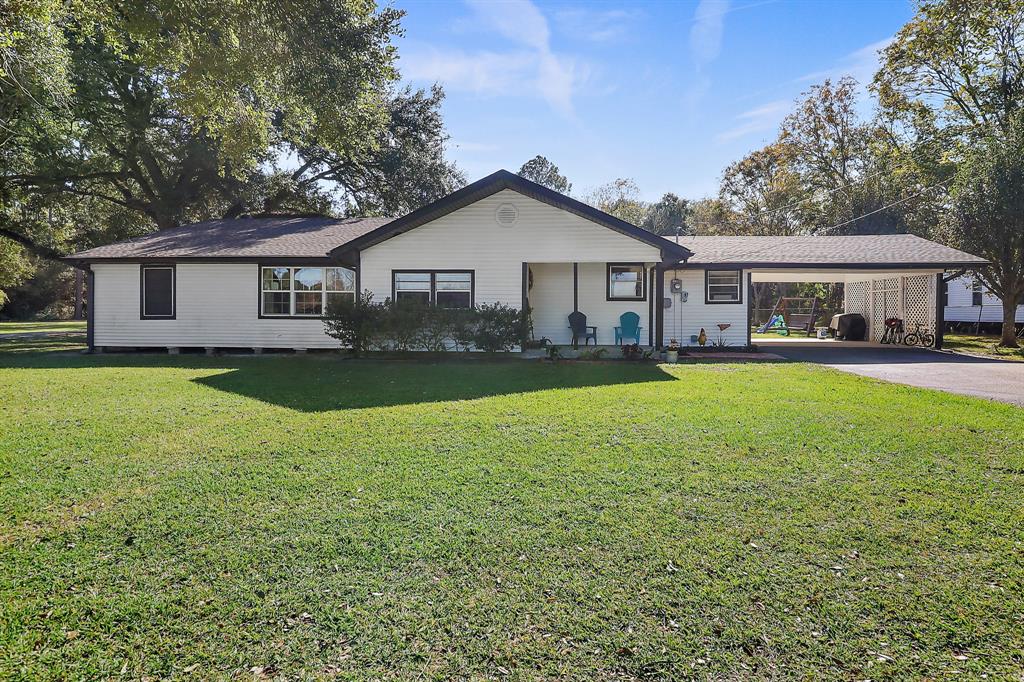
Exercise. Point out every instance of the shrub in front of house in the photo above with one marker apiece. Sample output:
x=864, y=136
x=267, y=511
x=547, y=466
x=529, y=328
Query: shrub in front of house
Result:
x=363, y=325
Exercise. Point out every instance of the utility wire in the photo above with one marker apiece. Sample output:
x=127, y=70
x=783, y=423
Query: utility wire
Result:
x=830, y=192
x=888, y=206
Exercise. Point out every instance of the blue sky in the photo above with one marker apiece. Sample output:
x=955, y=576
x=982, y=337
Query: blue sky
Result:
x=666, y=93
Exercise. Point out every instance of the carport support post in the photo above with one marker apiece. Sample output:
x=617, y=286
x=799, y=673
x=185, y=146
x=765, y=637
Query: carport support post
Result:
x=940, y=308
x=90, y=309
x=750, y=307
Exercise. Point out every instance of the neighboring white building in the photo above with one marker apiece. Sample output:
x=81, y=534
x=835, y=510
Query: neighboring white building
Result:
x=264, y=282
x=967, y=300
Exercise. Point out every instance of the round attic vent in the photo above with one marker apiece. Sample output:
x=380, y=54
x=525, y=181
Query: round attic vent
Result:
x=506, y=215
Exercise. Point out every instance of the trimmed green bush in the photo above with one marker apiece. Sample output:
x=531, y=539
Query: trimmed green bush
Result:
x=363, y=324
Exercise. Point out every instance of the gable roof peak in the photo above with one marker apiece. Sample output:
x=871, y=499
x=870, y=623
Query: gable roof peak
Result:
x=495, y=182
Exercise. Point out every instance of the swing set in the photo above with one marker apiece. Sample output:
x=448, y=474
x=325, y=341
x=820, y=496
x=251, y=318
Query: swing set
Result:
x=792, y=314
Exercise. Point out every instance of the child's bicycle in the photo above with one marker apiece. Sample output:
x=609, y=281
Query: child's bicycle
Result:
x=919, y=337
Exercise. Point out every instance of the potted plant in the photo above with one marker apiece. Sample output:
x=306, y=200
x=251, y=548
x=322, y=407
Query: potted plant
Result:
x=672, y=351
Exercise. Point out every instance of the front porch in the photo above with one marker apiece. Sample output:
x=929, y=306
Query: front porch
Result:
x=601, y=291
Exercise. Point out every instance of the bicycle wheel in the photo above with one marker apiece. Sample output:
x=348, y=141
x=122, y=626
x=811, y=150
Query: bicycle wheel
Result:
x=928, y=340
x=910, y=339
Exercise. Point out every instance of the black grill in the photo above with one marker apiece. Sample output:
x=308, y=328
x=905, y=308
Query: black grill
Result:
x=848, y=326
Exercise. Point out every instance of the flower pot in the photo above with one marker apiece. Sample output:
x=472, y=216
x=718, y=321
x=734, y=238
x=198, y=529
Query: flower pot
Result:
x=672, y=355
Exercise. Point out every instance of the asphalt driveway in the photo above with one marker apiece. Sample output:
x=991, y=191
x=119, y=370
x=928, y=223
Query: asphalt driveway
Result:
x=995, y=379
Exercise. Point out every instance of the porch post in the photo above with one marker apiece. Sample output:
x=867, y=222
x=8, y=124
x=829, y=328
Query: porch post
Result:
x=650, y=306
x=940, y=309
x=659, y=306
x=525, y=305
x=575, y=287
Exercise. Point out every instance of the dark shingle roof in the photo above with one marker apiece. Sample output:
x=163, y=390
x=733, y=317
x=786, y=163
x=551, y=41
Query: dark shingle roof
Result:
x=883, y=250
x=280, y=236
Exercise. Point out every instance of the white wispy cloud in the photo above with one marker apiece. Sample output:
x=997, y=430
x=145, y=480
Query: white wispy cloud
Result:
x=706, y=33
x=705, y=44
x=597, y=26
x=861, y=64
x=763, y=118
x=530, y=67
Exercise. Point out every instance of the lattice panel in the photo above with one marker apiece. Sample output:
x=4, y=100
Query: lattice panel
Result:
x=856, y=298
x=885, y=303
x=919, y=302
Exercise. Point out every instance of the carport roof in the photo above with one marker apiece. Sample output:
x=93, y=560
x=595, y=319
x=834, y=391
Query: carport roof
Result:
x=882, y=252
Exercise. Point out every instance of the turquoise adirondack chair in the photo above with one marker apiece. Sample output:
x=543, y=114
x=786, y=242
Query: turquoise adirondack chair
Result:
x=629, y=328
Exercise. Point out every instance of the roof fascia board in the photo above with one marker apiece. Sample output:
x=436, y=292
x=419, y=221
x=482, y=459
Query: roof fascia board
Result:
x=283, y=260
x=835, y=266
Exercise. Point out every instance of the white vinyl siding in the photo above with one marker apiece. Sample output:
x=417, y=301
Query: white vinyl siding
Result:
x=684, y=320
x=471, y=239
x=217, y=304
x=961, y=309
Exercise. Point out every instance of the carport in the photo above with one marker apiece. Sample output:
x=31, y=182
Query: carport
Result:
x=883, y=276
x=911, y=295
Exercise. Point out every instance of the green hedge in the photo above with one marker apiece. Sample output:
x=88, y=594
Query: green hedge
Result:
x=366, y=325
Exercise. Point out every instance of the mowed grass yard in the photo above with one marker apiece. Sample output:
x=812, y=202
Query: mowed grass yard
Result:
x=316, y=518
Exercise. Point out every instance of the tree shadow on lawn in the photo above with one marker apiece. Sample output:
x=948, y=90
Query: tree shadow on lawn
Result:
x=320, y=386
x=320, y=383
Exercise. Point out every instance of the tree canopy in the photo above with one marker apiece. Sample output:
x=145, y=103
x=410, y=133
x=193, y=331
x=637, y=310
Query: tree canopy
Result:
x=620, y=198
x=119, y=119
x=543, y=172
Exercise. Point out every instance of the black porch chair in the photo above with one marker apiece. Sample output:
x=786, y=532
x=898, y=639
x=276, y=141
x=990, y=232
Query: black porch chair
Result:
x=580, y=329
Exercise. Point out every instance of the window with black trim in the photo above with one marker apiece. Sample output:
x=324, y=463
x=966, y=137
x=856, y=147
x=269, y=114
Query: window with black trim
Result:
x=303, y=291
x=443, y=288
x=976, y=293
x=723, y=286
x=157, y=292
x=626, y=282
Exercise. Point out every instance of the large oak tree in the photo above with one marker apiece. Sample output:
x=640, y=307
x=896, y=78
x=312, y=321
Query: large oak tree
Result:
x=118, y=118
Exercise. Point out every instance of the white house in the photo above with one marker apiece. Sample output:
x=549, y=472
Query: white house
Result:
x=264, y=282
x=967, y=300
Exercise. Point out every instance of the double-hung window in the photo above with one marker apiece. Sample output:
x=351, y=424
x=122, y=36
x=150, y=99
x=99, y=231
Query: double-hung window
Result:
x=976, y=293
x=723, y=286
x=303, y=291
x=157, y=292
x=443, y=288
x=626, y=282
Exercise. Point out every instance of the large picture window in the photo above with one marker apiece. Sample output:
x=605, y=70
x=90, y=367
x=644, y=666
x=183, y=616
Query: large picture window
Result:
x=443, y=288
x=303, y=292
x=723, y=286
x=626, y=282
x=157, y=292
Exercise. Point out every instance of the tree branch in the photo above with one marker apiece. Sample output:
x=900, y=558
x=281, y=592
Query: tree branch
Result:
x=31, y=245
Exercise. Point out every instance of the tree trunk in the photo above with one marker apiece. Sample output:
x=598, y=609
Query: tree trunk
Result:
x=1009, y=339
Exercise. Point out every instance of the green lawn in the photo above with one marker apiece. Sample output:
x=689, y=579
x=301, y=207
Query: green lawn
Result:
x=311, y=517
x=984, y=344
x=61, y=326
